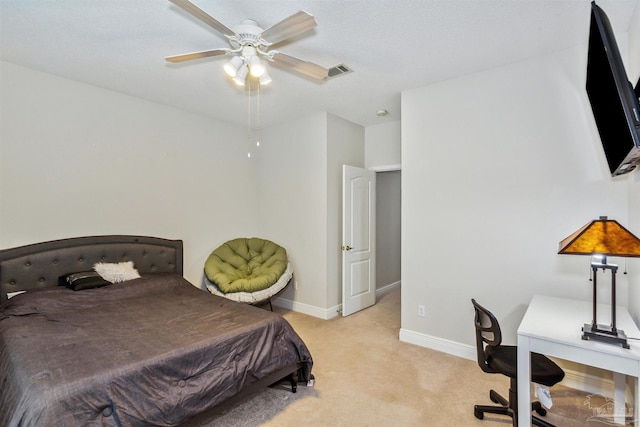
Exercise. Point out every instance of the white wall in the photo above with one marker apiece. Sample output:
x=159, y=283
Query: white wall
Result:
x=79, y=160
x=633, y=266
x=292, y=200
x=497, y=168
x=382, y=145
x=383, y=153
x=633, y=71
x=345, y=145
x=633, y=64
x=300, y=203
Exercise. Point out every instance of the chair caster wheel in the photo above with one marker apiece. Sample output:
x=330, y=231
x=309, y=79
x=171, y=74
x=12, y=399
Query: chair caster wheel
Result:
x=541, y=411
x=478, y=414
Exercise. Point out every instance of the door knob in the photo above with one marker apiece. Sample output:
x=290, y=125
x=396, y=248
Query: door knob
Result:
x=346, y=248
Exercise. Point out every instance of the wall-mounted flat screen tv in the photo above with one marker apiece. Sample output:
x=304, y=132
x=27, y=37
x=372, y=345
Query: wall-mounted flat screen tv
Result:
x=613, y=99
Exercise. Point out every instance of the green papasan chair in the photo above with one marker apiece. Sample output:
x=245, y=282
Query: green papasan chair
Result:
x=249, y=270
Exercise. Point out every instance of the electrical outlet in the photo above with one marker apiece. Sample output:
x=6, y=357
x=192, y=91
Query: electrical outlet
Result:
x=421, y=310
x=295, y=285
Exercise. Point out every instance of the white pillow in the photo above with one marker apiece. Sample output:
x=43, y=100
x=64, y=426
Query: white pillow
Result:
x=116, y=272
x=13, y=294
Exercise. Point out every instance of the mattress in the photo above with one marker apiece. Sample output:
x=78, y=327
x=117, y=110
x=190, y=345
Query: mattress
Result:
x=154, y=350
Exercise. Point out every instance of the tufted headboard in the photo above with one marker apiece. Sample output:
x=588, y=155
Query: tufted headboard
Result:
x=41, y=265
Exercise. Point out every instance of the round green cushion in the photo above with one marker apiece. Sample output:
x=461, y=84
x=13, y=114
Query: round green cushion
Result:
x=246, y=265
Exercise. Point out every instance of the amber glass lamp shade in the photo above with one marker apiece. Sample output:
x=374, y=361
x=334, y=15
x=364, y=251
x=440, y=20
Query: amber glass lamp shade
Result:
x=604, y=237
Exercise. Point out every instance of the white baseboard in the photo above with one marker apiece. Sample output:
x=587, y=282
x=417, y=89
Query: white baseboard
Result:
x=574, y=379
x=325, y=313
x=587, y=382
x=322, y=313
x=386, y=289
x=446, y=346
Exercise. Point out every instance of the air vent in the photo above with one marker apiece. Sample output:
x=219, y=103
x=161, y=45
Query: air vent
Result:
x=338, y=71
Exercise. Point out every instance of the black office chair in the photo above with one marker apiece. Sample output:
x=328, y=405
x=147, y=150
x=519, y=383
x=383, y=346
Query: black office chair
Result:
x=495, y=358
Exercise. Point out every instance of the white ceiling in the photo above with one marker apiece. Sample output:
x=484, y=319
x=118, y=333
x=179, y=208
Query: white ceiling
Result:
x=391, y=46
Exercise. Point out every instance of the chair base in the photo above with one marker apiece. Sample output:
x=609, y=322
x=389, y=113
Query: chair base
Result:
x=510, y=407
x=264, y=304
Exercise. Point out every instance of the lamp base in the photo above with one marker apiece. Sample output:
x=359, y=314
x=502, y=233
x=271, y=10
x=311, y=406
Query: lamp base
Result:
x=604, y=333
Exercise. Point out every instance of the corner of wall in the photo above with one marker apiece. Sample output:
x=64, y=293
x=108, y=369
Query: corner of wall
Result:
x=382, y=145
x=345, y=145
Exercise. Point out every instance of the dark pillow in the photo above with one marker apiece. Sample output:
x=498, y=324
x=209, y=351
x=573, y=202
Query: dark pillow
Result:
x=84, y=280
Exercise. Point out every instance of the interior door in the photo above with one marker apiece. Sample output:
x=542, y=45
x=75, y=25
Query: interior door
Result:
x=358, y=239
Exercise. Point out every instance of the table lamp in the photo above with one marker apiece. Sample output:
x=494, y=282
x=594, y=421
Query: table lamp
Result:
x=601, y=238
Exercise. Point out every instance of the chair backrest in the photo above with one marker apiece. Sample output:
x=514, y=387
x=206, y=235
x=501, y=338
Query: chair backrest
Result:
x=487, y=333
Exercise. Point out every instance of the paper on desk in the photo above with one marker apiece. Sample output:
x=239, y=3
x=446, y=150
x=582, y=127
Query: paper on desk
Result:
x=544, y=395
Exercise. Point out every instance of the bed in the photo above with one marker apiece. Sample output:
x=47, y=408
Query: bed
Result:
x=153, y=350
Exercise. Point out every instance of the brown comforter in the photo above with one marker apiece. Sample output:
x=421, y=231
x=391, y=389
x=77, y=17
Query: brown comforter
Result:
x=151, y=351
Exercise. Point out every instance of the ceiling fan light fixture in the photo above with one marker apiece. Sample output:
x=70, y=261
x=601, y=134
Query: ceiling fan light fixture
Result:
x=250, y=46
x=256, y=66
x=241, y=76
x=265, y=78
x=231, y=67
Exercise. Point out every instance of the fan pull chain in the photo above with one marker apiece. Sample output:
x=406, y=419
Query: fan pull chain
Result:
x=258, y=119
x=249, y=120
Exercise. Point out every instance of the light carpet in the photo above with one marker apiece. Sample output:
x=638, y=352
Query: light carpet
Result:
x=365, y=376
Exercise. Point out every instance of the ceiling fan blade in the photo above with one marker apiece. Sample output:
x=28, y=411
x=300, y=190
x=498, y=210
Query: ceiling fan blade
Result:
x=307, y=68
x=203, y=16
x=292, y=26
x=196, y=55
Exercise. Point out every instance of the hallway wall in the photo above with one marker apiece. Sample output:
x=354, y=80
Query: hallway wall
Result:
x=388, y=227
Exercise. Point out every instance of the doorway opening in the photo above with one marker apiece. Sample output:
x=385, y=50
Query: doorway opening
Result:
x=388, y=232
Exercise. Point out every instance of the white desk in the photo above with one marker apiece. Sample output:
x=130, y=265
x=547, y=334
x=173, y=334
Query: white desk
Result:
x=553, y=326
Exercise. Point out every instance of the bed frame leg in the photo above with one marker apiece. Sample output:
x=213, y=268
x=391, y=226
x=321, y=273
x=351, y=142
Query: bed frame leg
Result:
x=293, y=379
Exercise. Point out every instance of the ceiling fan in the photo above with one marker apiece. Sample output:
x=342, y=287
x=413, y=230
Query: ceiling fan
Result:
x=249, y=43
